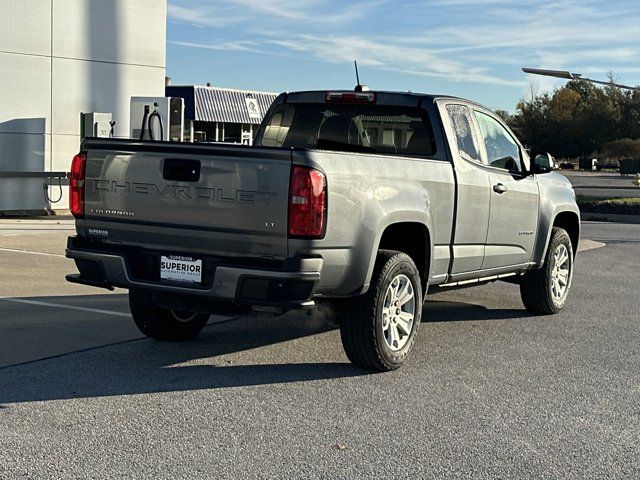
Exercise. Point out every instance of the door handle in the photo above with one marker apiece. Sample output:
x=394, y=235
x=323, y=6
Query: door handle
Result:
x=499, y=188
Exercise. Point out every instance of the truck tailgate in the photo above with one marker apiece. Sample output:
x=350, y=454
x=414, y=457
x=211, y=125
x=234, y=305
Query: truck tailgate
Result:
x=214, y=199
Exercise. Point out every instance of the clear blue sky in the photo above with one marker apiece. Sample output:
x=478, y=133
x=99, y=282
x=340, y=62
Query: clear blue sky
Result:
x=469, y=48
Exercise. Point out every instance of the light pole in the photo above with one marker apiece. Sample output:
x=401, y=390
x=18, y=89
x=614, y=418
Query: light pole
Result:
x=574, y=76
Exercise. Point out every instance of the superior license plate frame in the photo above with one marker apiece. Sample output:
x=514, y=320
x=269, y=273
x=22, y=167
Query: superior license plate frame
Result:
x=182, y=269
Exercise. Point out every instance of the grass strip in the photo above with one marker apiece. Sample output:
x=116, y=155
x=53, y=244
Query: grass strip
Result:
x=614, y=206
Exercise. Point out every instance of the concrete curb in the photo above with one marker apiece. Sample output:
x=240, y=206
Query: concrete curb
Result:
x=586, y=244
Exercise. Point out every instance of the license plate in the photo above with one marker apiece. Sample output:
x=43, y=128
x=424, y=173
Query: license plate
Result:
x=180, y=269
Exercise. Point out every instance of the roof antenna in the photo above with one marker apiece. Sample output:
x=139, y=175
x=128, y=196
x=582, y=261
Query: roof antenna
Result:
x=359, y=87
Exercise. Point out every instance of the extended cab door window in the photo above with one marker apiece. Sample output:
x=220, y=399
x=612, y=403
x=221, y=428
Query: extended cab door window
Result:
x=463, y=129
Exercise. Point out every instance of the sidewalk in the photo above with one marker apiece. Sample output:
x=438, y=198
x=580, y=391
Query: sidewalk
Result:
x=25, y=226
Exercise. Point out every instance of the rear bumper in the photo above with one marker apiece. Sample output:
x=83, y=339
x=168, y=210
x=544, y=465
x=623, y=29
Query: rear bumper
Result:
x=291, y=284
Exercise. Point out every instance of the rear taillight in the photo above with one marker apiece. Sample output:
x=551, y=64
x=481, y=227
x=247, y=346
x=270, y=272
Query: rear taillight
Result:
x=76, y=184
x=307, y=202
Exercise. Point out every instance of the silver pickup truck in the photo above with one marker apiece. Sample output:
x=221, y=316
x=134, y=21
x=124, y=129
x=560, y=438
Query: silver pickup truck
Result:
x=363, y=199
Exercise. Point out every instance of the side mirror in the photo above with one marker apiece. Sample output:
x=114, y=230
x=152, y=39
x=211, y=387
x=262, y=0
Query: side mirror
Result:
x=542, y=163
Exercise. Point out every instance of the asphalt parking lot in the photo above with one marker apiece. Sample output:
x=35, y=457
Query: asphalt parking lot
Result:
x=490, y=391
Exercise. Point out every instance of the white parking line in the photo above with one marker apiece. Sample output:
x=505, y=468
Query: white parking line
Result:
x=65, y=307
x=13, y=250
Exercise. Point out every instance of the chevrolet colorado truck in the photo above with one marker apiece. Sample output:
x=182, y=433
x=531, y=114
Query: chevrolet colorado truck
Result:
x=364, y=199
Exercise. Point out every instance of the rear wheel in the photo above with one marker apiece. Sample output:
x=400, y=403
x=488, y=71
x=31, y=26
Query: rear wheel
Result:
x=546, y=290
x=379, y=328
x=163, y=323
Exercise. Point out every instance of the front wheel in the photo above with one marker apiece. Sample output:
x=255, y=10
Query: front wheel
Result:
x=379, y=328
x=163, y=323
x=546, y=290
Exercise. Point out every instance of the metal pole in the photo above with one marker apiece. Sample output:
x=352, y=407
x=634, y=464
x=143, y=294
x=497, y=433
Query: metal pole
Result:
x=566, y=75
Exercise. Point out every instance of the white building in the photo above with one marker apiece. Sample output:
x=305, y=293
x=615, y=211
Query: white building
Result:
x=59, y=58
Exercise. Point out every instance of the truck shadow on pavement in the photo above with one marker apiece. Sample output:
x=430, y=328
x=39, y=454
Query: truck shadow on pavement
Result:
x=247, y=351
x=218, y=358
x=449, y=311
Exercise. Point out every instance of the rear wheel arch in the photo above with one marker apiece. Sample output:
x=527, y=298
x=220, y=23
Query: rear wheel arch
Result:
x=412, y=238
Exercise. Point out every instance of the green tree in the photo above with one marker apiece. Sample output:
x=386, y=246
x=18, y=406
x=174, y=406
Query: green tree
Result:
x=577, y=119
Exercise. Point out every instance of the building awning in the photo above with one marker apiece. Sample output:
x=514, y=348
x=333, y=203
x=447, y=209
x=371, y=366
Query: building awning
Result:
x=212, y=104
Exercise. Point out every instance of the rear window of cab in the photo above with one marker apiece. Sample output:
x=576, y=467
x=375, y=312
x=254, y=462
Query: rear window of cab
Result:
x=382, y=129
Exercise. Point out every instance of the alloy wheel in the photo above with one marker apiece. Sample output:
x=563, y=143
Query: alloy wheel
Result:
x=561, y=272
x=398, y=312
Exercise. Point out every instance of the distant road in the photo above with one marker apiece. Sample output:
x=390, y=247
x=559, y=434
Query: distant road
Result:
x=612, y=185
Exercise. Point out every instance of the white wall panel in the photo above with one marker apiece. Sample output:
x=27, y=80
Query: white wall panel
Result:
x=64, y=148
x=123, y=31
x=82, y=86
x=109, y=51
x=22, y=152
x=25, y=26
x=25, y=93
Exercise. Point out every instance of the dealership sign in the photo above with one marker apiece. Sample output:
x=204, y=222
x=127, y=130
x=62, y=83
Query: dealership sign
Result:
x=253, y=108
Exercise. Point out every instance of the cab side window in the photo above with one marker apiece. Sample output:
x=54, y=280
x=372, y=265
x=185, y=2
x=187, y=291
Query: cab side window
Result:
x=502, y=150
x=462, y=126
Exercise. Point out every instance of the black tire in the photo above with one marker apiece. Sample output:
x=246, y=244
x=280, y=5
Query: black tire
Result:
x=162, y=323
x=361, y=326
x=536, y=286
